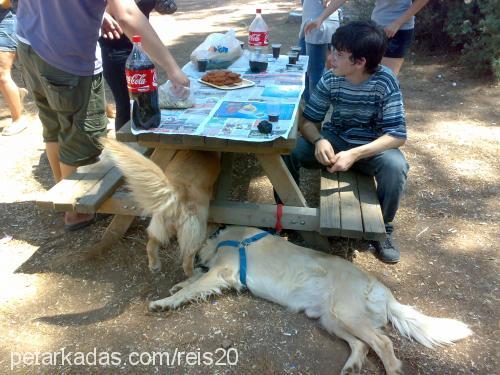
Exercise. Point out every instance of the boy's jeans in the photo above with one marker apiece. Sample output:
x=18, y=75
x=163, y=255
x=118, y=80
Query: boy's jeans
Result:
x=317, y=58
x=389, y=168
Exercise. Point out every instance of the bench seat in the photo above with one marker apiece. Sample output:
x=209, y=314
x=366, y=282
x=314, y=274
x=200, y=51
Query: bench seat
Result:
x=349, y=206
x=348, y=202
x=86, y=189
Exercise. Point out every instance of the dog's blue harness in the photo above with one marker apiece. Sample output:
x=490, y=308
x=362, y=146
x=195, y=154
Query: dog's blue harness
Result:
x=243, y=256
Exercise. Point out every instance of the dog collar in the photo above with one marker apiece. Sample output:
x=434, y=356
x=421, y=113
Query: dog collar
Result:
x=243, y=256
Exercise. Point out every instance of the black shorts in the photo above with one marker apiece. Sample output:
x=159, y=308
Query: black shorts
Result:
x=399, y=44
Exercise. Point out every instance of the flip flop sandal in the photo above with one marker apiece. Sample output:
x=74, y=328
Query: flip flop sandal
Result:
x=78, y=226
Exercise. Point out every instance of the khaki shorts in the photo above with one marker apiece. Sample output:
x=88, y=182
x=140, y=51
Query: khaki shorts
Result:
x=71, y=107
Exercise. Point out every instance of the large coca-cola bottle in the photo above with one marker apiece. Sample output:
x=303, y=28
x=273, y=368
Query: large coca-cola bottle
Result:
x=258, y=33
x=142, y=87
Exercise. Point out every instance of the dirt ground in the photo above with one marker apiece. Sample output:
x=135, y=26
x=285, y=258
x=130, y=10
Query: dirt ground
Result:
x=447, y=229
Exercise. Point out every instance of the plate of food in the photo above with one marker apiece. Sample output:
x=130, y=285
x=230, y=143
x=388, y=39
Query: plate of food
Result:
x=225, y=80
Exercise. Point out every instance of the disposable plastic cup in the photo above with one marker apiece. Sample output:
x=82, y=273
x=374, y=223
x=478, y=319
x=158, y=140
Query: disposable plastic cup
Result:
x=276, y=50
x=202, y=65
x=273, y=112
x=298, y=50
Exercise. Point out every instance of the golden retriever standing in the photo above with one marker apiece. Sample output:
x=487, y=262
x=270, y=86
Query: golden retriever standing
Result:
x=348, y=302
x=177, y=198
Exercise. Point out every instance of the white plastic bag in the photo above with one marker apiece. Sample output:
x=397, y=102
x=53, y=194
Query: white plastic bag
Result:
x=221, y=50
x=168, y=97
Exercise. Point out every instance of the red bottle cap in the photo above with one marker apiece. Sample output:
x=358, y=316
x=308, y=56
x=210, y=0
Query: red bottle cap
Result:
x=136, y=39
x=258, y=10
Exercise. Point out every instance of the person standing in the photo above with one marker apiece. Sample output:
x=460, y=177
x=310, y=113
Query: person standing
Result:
x=314, y=43
x=61, y=63
x=397, y=17
x=115, y=51
x=12, y=94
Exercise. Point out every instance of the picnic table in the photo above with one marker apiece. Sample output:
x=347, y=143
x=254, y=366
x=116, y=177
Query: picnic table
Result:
x=348, y=202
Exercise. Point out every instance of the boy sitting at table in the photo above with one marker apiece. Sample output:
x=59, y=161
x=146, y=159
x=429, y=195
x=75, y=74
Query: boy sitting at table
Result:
x=367, y=123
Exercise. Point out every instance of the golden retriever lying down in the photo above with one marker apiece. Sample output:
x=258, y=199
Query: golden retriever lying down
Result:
x=348, y=302
x=178, y=198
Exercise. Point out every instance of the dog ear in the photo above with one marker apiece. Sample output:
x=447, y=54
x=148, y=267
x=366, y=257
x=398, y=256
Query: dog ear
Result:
x=212, y=229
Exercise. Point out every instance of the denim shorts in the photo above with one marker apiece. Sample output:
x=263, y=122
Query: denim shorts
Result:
x=399, y=44
x=8, y=39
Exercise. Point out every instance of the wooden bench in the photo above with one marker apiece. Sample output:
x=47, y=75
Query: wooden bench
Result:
x=86, y=189
x=349, y=206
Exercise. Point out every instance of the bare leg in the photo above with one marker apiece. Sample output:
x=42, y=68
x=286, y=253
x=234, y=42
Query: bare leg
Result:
x=110, y=110
x=71, y=217
x=61, y=171
x=12, y=95
x=52, y=149
x=393, y=63
x=8, y=87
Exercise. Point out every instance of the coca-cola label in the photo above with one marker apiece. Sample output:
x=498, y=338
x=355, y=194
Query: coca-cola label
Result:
x=258, y=38
x=141, y=80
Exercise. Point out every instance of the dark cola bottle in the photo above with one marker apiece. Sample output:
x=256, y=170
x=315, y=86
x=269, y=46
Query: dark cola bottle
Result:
x=142, y=87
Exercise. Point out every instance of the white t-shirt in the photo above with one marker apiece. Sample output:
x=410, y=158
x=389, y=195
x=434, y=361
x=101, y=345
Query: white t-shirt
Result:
x=311, y=9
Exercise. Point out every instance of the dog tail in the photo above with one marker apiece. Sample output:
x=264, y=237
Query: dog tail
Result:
x=427, y=330
x=150, y=186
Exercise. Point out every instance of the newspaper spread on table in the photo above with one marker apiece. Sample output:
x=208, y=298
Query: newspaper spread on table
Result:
x=235, y=114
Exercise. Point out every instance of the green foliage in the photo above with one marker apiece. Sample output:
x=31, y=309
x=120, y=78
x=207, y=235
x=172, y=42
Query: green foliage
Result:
x=471, y=27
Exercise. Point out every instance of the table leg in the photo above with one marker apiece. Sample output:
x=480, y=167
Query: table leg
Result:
x=281, y=179
x=115, y=230
x=162, y=156
x=223, y=190
x=284, y=184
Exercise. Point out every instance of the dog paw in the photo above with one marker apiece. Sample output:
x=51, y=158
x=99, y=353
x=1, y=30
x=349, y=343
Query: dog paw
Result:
x=154, y=306
x=351, y=370
x=155, y=268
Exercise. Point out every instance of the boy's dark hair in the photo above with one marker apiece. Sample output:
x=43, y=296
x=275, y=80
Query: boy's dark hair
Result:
x=362, y=39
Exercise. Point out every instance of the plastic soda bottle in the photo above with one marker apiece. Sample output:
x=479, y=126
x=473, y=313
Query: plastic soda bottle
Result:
x=142, y=87
x=258, y=32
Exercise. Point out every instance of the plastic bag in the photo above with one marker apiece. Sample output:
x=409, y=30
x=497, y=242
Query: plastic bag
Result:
x=221, y=50
x=168, y=97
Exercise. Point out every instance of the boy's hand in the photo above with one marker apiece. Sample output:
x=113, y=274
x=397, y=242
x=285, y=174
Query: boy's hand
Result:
x=324, y=153
x=345, y=160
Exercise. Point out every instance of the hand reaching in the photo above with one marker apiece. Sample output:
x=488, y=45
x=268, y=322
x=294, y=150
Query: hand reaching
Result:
x=110, y=29
x=180, y=84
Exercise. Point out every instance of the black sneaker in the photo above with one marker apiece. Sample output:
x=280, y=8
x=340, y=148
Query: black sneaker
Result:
x=386, y=251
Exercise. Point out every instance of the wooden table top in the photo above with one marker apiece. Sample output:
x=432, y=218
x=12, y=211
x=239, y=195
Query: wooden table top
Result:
x=176, y=141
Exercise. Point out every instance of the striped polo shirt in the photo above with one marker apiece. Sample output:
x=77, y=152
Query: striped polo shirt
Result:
x=361, y=112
